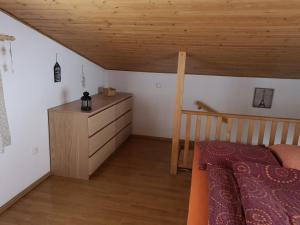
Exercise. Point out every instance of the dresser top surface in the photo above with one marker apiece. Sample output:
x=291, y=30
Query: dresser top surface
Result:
x=99, y=103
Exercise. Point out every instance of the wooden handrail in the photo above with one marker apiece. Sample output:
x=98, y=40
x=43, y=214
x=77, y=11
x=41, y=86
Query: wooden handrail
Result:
x=238, y=116
x=202, y=105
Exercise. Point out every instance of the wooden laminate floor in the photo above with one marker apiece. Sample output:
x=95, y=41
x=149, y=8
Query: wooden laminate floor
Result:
x=132, y=188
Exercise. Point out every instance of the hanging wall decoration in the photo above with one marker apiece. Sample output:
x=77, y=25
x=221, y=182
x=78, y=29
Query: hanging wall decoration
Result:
x=83, y=79
x=4, y=53
x=11, y=57
x=5, y=138
x=57, y=71
x=263, y=97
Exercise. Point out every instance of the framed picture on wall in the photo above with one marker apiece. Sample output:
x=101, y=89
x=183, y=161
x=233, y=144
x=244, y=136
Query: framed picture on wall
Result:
x=263, y=98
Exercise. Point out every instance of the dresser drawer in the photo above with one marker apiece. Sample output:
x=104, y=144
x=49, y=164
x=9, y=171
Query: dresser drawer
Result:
x=108, y=115
x=123, y=135
x=123, y=107
x=100, y=156
x=100, y=138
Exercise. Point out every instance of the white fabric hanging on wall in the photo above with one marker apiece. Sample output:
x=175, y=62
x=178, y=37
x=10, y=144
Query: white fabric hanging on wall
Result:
x=5, y=138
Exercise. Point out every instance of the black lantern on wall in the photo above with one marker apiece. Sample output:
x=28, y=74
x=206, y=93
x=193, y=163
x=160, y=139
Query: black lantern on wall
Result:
x=57, y=72
x=86, y=102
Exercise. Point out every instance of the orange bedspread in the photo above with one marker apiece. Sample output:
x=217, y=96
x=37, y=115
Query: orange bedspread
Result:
x=198, y=206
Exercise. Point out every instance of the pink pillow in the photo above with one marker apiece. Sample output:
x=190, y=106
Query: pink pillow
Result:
x=288, y=154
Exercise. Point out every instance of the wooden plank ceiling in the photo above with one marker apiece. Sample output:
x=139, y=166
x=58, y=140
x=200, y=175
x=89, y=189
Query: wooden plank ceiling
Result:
x=258, y=38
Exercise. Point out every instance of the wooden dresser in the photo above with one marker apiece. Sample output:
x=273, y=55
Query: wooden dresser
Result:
x=81, y=141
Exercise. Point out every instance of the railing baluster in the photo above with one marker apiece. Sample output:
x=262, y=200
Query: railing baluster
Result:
x=296, y=134
x=219, y=128
x=228, y=130
x=197, y=132
x=208, y=128
x=240, y=130
x=285, y=131
x=273, y=132
x=261, y=135
x=250, y=132
x=187, y=140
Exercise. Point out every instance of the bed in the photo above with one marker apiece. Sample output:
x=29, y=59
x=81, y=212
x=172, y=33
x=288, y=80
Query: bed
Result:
x=245, y=184
x=250, y=130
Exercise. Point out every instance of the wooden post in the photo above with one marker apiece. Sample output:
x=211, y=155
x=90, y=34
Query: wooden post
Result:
x=178, y=108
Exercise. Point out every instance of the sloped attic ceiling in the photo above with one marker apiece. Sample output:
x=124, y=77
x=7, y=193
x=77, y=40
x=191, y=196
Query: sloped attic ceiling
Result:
x=258, y=38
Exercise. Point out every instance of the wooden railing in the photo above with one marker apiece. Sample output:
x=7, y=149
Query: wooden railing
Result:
x=239, y=129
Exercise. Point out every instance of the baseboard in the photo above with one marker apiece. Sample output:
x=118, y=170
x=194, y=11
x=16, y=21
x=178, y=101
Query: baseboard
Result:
x=23, y=193
x=160, y=139
x=152, y=138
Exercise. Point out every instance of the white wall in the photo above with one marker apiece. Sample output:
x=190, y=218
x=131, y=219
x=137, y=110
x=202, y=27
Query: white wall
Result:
x=154, y=106
x=29, y=92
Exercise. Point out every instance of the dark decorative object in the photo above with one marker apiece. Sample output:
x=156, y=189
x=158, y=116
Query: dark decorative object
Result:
x=263, y=98
x=86, y=102
x=57, y=72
